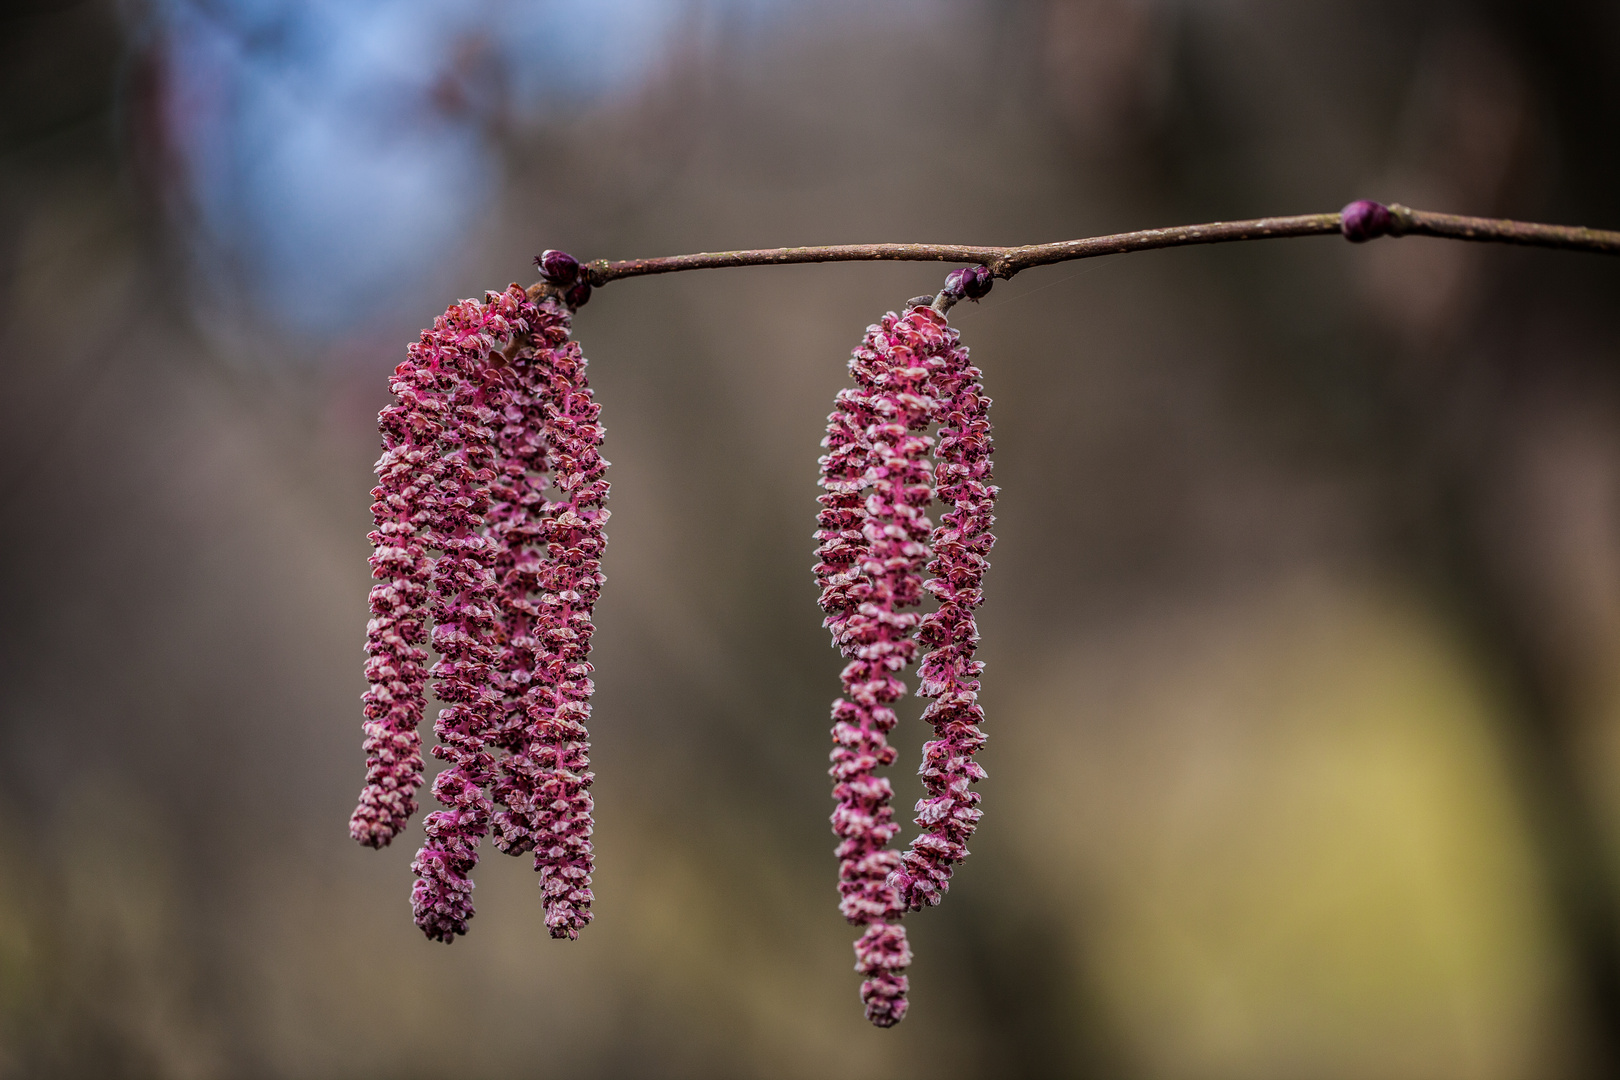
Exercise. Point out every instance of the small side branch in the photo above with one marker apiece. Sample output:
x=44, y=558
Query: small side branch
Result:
x=1004, y=262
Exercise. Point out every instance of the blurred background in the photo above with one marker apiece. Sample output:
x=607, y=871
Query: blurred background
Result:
x=1304, y=619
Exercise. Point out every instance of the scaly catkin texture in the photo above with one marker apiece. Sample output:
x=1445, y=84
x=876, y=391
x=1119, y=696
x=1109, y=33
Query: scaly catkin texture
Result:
x=873, y=546
x=466, y=609
x=569, y=580
x=949, y=673
x=517, y=518
x=396, y=663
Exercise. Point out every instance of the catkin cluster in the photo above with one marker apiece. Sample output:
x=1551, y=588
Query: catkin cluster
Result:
x=910, y=373
x=492, y=409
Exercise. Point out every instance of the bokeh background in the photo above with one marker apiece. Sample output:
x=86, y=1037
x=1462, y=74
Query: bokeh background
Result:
x=1304, y=618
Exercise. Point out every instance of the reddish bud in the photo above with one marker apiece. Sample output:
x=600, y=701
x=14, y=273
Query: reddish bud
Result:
x=1365, y=220
x=557, y=267
x=577, y=295
x=976, y=282
x=969, y=283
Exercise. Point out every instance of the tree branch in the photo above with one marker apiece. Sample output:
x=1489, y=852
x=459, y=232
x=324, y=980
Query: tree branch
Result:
x=1004, y=262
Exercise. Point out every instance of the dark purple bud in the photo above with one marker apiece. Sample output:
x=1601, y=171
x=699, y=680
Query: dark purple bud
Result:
x=557, y=267
x=577, y=294
x=1365, y=220
x=976, y=282
x=955, y=284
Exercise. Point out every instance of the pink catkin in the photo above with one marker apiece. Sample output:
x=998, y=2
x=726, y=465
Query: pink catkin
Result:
x=465, y=610
x=553, y=578
x=873, y=545
x=517, y=520
x=949, y=673
x=396, y=664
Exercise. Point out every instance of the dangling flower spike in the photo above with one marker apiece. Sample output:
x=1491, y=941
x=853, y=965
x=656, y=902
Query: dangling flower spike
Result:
x=546, y=778
x=397, y=662
x=569, y=581
x=466, y=610
x=873, y=546
x=949, y=674
x=489, y=398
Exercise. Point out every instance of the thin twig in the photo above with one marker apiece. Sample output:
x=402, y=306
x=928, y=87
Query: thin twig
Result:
x=1004, y=262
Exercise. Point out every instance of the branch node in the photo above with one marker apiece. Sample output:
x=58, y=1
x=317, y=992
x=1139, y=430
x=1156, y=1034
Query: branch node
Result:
x=1365, y=220
x=969, y=283
x=1403, y=219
